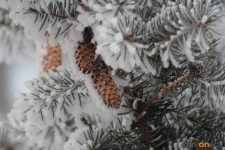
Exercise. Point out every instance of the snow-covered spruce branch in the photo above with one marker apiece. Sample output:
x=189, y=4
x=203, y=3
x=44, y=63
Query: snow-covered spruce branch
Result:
x=51, y=13
x=53, y=100
x=181, y=27
x=8, y=138
x=55, y=18
x=166, y=89
x=198, y=121
x=98, y=138
x=174, y=101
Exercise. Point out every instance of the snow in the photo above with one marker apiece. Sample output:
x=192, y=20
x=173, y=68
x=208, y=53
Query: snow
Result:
x=50, y=105
x=187, y=48
x=3, y=4
x=218, y=82
x=108, y=6
x=118, y=37
x=114, y=47
x=204, y=19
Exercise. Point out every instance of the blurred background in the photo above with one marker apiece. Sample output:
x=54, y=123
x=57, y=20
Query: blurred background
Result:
x=12, y=78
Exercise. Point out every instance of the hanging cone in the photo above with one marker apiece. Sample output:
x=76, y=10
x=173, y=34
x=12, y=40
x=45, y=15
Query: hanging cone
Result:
x=86, y=52
x=105, y=85
x=85, y=57
x=88, y=34
x=53, y=59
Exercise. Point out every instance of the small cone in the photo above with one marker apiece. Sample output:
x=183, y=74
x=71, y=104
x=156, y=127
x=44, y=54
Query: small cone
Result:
x=53, y=59
x=85, y=57
x=88, y=34
x=86, y=52
x=105, y=85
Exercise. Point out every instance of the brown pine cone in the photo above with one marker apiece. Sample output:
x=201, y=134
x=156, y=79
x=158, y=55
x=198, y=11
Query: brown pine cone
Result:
x=53, y=59
x=105, y=85
x=85, y=57
x=88, y=34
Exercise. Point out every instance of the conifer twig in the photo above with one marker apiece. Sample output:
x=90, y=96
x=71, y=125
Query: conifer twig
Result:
x=199, y=23
x=82, y=4
x=161, y=93
x=166, y=89
x=43, y=12
x=154, y=59
x=87, y=124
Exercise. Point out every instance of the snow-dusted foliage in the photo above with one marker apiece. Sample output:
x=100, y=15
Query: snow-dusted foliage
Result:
x=123, y=37
x=180, y=25
x=40, y=18
x=88, y=139
x=9, y=138
x=57, y=101
x=54, y=100
x=35, y=136
x=13, y=43
x=155, y=59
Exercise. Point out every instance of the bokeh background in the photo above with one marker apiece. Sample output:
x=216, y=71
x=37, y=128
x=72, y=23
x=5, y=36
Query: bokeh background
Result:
x=12, y=78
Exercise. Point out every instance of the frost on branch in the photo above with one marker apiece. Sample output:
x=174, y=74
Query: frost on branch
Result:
x=114, y=137
x=122, y=42
x=39, y=18
x=53, y=101
x=88, y=139
x=13, y=43
x=170, y=89
x=35, y=136
x=181, y=25
x=96, y=11
x=50, y=110
x=9, y=140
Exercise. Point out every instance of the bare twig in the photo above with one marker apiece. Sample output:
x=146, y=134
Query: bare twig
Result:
x=166, y=89
x=154, y=59
x=82, y=4
x=87, y=124
x=43, y=12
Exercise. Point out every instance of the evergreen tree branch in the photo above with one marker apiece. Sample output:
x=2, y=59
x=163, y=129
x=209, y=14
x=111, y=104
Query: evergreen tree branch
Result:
x=82, y=4
x=197, y=24
x=85, y=121
x=43, y=12
x=167, y=89
x=154, y=59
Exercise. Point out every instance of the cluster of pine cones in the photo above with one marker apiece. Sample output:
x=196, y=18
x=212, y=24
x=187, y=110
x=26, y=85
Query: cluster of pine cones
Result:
x=103, y=82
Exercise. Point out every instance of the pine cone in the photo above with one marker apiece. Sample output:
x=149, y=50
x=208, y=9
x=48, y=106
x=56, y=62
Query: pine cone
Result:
x=53, y=59
x=88, y=34
x=105, y=85
x=85, y=56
